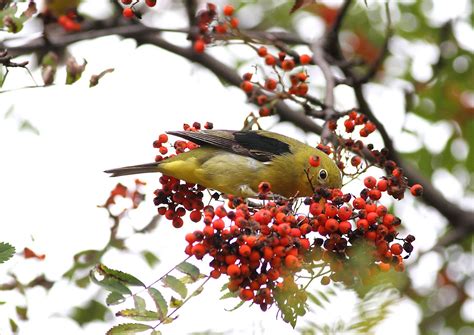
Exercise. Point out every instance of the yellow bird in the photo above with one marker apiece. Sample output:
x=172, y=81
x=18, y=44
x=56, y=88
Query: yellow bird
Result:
x=236, y=162
x=61, y=7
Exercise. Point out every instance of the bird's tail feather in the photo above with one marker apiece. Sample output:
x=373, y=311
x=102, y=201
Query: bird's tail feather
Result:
x=134, y=169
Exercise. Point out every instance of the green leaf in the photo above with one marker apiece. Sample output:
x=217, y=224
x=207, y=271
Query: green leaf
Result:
x=128, y=329
x=240, y=304
x=176, y=303
x=93, y=311
x=229, y=295
x=6, y=252
x=110, y=284
x=138, y=315
x=150, y=258
x=189, y=269
x=22, y=312
x=139, y=302
x=114, y=298
x=176, y=285
x=155, y=332
x=160, y=302
x=13, y=326
x=126, y=278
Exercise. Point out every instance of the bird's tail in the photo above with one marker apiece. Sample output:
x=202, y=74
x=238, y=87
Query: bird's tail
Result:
x=134, y=169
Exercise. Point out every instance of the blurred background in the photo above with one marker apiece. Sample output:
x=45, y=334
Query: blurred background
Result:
x=56, y=140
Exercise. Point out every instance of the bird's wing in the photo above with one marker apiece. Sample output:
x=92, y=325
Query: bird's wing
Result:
x=246, y=143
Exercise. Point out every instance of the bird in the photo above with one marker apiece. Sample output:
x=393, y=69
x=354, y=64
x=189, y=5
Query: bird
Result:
x=235, y=162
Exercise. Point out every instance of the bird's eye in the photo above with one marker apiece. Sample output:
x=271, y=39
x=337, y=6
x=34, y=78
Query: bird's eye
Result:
x=323, y=174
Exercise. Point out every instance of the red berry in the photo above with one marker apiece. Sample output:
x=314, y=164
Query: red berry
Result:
x=358, y=203
x=396, y=249
x=246, y=294
x=305, y=59
x=163, y=138
x=344, y=213
x=270, y=60
x=233, y=270
x=270, y=84
x=195, y=216
x=245, y=250
x=126, y=2
x=314, y=161
x=234, y=22
x=331, y=225
x=375, y=194
x=246, y=86
x=355, y=161
x=370, y=182
x=228, y=10
x=262, y=51
x=382, y=185
x=416, y=190
x=150, y=3
x=288, y=64
x=128, y=13
x=199, y=46
x=345, y=227
x=292, y=262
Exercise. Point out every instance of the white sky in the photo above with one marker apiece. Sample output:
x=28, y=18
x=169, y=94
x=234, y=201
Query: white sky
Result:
x=52, y=183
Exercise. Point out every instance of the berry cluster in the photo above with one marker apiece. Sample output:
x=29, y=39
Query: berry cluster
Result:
x=135, y=194
x=208, y=24
x=261, y=247
x=130, y=11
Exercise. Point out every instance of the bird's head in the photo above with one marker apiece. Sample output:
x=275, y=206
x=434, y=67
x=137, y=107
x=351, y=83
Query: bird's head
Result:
x=324, y=173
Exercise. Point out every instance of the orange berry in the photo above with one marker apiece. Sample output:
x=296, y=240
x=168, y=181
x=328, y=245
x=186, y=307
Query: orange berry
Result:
x=396, y=249
x=262, y=51
x=215, y=274
x=270, y=84
x=331, y=225
x=384, y=267
x=245, y=250
x=198, y=251
x=246, y=86
x=363, y=224
x=292, y=262
x=305, y=59
x=358, y=203
x=233, y=271
x=416, y=190
x=228, y=10
x=288, y=64
x=270, y=60
x=382, y=185
x=345, y=227
x=246, y=295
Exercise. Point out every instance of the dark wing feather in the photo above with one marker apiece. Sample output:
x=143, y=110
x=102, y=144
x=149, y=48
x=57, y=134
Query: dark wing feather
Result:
x=246, y=143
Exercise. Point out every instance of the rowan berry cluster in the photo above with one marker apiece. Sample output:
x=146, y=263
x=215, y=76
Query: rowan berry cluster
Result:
x=130, y=11
x=208, y=24
x=262, y=247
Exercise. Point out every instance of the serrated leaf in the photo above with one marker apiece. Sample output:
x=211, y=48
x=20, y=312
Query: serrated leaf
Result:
x=175, y=303
x=110, y=284
x=126, y=278
x=160, y=302
x=128, y=329
x=114, y=298
x=240, y=304
x=176, y=285
x=229, y=295
x=189, y=269
x=138, y=315
x=139, y=302
x=6, y=252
